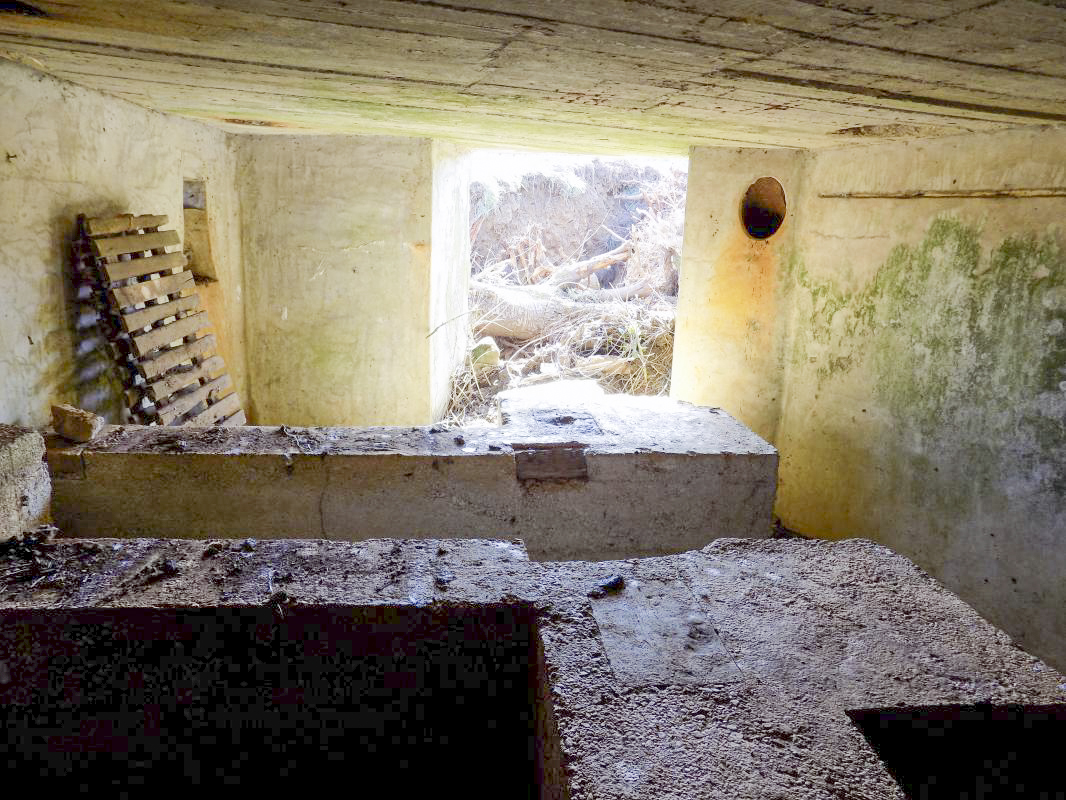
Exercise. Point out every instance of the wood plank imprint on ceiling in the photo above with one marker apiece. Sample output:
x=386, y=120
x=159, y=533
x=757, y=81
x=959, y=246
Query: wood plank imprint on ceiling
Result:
x=610, y=72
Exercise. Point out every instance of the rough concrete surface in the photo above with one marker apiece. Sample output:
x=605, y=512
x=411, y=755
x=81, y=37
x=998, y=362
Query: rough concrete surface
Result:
x=347, y=283
x=687, y=474
x=585, y=75
x=719, y=673
x=25, y=488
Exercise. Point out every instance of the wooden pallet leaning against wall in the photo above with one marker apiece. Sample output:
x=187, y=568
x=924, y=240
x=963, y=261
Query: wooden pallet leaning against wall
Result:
x=155, y=323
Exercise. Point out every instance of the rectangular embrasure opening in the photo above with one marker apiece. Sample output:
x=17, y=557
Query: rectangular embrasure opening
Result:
x=976, y=752
x=390, y=699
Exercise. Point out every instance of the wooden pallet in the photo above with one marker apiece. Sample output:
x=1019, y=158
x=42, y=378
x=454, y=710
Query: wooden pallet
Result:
x=154, y=322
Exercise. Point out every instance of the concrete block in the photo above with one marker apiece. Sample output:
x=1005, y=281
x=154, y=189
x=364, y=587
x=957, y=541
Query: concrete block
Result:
x=63, y=457
x=655, y=477
x=25, y=488
x=76, y=424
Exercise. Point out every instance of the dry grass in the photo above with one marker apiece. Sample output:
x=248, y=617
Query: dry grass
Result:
x=626, y=346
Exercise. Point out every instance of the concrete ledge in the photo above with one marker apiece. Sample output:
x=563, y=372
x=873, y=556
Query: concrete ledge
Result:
x=659, y=477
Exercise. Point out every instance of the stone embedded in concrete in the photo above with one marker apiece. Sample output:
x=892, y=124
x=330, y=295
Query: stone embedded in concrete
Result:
x=661, y=477
x=25, y=487
x=721, y=673
x=76, y=424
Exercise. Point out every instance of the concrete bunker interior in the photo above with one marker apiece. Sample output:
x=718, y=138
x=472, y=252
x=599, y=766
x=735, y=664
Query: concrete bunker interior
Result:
x=883, y=333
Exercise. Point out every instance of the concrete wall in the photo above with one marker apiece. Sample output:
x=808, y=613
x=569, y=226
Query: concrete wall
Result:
x=923, y=363
x=337, y=238
x=449, y=325
x=25, y=485
x=66, y=150
x=730, y=327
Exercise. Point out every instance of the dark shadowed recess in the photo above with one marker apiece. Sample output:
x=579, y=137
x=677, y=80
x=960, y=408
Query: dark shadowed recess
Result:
x=402, y=700
x=22, y=8
x=971, y=752
x=763, y=208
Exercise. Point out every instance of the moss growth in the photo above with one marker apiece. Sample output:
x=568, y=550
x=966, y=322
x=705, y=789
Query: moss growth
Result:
x=966, y=350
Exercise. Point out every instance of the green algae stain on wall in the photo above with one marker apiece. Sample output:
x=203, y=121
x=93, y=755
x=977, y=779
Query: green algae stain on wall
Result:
x=966, y=349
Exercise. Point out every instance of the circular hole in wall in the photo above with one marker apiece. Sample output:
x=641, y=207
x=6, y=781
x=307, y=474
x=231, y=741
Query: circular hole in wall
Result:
x=763, y=209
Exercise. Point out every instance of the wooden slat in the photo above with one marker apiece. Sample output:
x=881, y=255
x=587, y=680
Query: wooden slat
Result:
x=125, y=296
x=143, y=317
x=171, y=394
x=136, y=267
x=179, y=329
x=235, y=420
x=120, y=245
x=123, y=223
x=186, y=402
x=223, y=408
x=168, y=359
x=163, y=388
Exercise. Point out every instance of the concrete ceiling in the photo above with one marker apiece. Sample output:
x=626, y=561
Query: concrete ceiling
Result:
x=580, y=75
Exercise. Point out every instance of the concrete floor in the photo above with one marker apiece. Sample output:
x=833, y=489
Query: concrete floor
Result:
x=720, y=673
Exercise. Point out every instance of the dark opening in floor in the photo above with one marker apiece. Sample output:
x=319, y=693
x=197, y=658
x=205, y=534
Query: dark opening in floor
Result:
x=403, y=699
x=974, y=752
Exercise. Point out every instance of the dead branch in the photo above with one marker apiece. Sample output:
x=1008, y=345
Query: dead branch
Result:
x=516, y=313
x=642, y=289
x=529, y=312
x=582, y=269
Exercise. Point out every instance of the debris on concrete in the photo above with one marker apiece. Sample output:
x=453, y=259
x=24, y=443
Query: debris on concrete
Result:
x=29, y=556
x=76, y=424
x=442, y=579
x=613, y=584
x=550, y=473
x=782, y=531
x=159, y=570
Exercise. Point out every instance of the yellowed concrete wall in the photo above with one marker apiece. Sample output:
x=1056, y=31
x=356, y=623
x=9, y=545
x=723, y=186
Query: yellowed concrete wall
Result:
x=923, y=363
x=66, y=150
x=730, y=333
x=450, y=271
x=338, y=233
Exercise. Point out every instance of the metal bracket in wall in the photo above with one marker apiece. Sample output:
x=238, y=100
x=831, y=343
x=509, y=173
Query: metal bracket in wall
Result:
x=550, y=461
